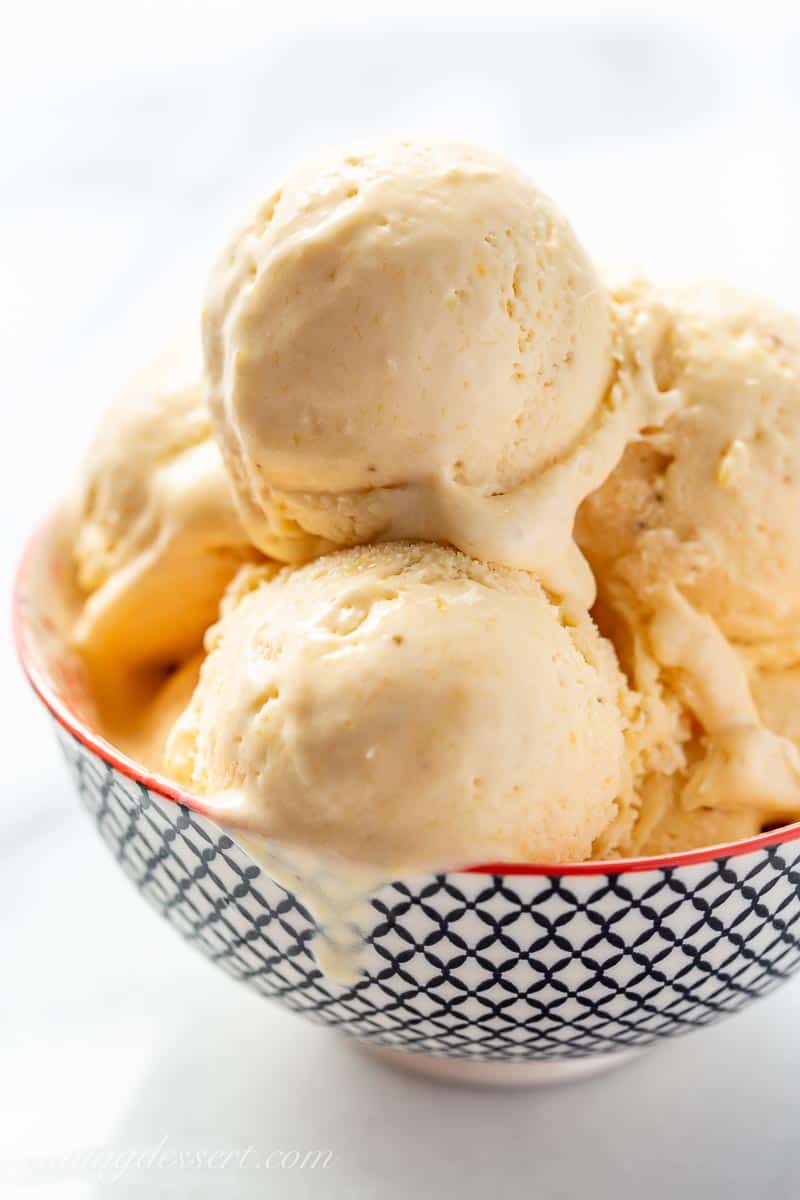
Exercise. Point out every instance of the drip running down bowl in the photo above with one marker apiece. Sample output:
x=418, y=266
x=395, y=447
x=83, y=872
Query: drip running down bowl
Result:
x=497, y=974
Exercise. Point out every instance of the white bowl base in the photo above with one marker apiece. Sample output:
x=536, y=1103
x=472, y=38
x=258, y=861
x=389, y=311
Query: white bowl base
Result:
x=476, y=1073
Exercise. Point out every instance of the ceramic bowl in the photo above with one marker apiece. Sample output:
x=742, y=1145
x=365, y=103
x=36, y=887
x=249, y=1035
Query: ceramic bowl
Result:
x=498, y=974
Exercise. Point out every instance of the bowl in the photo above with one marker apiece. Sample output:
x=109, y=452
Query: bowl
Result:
x=500, y=974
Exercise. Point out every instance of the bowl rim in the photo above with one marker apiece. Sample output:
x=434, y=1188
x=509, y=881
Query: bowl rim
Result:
x=61, y=711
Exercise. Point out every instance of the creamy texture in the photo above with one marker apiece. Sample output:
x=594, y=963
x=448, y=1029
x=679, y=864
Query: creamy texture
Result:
x=693, y=538
x=141, y=729
x=397, y=709
x=708, y=498
x=746, y=764
x=155, y=531
x=777, y=696
x=408, y=341
x=665, y=825
x=402, y=707
x=407, y=350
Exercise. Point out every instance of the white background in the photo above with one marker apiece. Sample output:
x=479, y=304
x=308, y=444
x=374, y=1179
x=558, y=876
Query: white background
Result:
x=132, y=137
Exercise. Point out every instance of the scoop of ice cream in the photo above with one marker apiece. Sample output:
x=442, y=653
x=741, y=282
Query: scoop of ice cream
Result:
x=693, y=537
x=403, y=706
x=408, y=341
x=155, y=531
x=708, y=500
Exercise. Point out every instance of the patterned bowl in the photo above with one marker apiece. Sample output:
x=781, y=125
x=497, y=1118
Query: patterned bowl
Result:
x=498, y=974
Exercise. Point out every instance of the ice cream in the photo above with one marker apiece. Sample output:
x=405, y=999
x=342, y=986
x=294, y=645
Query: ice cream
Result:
x=404, y=707
x=666, y=825
x=417, y=393
x=777, y=695
x=155, y=532
x=407, y=341
x=709, y=499
x=693, y=538
x=141, y=729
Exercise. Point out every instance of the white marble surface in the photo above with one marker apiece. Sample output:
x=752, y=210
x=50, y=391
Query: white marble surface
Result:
x=132, y=135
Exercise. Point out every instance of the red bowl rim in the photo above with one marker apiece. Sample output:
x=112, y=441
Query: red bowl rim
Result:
x=63, y=714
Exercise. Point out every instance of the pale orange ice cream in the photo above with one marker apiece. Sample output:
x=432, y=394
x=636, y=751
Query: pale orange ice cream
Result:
x=693, y=538
x=407, y=341
x=141, y=729
x=776, y=692
x=156, y=535
x=416, y=391
x=666, y=825
x=403, y=707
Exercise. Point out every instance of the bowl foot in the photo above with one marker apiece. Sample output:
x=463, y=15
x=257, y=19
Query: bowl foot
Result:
x=476, y=1073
